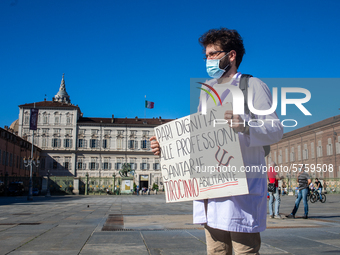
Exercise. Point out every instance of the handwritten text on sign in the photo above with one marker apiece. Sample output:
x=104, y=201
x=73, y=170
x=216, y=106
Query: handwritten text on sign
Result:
x=199, y=160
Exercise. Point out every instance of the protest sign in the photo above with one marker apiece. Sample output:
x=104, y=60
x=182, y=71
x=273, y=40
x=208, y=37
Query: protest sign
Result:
x=200, y=159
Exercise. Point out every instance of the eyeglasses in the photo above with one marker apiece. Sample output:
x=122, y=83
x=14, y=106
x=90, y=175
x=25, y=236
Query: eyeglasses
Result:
x=214, y=54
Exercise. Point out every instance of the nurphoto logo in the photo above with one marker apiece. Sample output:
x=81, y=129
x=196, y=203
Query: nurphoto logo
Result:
x=238, y=102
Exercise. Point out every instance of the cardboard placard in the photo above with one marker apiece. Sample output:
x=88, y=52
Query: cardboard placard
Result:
x=201, y=157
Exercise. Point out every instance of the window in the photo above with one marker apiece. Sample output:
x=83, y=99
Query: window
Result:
x=55, y=164
x=80, y=164
x=156, y=165
x=94, y=131
x=133, y=163
x=286, y=152
x=93, y=164
x=329, y=147
x=82, y=131
x=67, y=143
x=68, y=120
x=67, y=163
x=107, y=132
x=56, y=143
x=45, y=119
x=106, y=164
x=270, y=157
x=144, y=165
x=56, y=131
x=106, y=143
x=337, y=145
x=36, y=139
x=145, y=134
x=56, y=120
x=312, y=150
x=145, y=144
x=133, y=133
x=26, y=119
x=120, y=143
x=68, y=131
x=305, y=152
x=292, y=155
x=119, y=164
x=280, y=157
x=44, y=142
x=319, y=149
x=120, y=132
x=132, y=144
x=82, y=143
x=93, y=143
x=299, y=152
x=275, y=157
x=45, y=131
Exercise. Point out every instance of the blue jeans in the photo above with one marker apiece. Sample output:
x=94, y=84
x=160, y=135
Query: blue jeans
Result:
x=275, y=195
x=320, y=190
x=301, y=195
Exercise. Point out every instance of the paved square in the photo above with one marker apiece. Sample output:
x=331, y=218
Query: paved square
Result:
x=147, y=225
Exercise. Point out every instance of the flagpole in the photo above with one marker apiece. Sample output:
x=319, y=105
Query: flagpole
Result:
x=145, y=109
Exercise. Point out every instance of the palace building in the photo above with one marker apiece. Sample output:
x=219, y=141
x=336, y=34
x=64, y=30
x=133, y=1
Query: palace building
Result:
x=317, y=146
x=74, y=145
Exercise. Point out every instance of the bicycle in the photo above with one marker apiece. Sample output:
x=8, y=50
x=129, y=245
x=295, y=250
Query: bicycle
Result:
x=315, y=196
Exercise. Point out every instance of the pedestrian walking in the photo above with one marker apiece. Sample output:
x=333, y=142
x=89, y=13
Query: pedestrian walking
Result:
x=304, y=181
x=274, y=178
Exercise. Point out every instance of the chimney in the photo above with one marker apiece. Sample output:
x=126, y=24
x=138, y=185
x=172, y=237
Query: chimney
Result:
x=136, y=118
x=113, y=118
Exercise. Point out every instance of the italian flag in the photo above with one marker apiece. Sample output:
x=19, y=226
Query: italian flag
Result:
x=149, y=104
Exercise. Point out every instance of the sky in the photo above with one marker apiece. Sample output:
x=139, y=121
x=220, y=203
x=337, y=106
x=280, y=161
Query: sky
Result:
x=113, y=53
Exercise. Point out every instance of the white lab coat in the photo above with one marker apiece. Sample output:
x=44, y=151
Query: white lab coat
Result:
x=245, y=213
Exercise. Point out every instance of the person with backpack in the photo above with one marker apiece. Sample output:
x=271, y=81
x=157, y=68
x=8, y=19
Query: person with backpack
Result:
x=273, y=178
x=235, y=222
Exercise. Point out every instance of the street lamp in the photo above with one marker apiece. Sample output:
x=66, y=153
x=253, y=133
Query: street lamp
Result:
x=114, y=184
x=48, y=194
x=289, y=188
x=30, y=162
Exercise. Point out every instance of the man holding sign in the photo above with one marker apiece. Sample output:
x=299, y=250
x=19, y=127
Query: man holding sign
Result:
x=235, y=222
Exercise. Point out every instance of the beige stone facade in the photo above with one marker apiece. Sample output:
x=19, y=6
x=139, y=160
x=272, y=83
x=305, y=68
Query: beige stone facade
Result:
x=73, y=145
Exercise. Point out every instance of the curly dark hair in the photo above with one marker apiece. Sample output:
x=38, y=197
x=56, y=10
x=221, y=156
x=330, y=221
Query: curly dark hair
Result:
x=227, y=39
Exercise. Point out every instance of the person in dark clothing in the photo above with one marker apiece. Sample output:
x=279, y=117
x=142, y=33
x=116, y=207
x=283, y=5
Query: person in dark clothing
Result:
x=318, y=186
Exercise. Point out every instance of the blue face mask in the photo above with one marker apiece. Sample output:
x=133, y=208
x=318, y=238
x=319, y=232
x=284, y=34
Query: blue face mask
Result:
x=213, y=67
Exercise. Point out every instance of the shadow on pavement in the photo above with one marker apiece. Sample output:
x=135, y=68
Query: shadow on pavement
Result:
x=23, y=199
